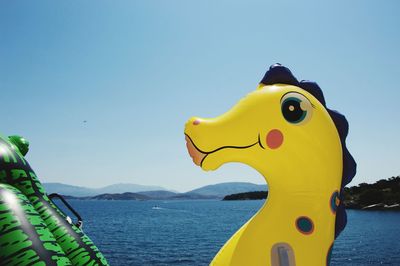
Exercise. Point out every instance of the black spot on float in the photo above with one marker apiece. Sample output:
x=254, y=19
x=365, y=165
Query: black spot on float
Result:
x=334, y=201
x=305, y=225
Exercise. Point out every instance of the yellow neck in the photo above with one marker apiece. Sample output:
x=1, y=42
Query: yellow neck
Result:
x=276, y=221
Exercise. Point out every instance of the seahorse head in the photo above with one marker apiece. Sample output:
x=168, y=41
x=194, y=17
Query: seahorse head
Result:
x=284, y=130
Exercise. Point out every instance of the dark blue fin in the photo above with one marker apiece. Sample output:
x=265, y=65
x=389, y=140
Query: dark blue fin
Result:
x=279, y=74
x=314, y=89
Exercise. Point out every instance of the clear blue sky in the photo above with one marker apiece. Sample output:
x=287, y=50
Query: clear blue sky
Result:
x=137, y=70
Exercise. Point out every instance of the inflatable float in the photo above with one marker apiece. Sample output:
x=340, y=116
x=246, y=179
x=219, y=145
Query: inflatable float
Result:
x=33, y=230
x=286, y=132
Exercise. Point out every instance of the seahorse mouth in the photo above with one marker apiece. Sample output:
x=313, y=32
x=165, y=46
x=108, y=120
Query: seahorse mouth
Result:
x=197, y=155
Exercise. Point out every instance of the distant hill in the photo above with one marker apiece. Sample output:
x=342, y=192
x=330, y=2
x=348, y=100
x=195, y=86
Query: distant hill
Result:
x=255, y=195
x=223, y=189
x=121, y=196
x=78, y=191
x=128, y=187
x=69, y=190
x=159, y=194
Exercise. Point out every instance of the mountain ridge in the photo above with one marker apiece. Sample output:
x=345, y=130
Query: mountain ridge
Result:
x=80, y=191
x=218, y=190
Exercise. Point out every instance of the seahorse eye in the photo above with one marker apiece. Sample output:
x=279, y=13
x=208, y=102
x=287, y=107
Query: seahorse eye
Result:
x=296, y=108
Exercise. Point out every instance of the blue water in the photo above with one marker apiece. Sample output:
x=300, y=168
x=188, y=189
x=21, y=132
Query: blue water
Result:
x=192, y=232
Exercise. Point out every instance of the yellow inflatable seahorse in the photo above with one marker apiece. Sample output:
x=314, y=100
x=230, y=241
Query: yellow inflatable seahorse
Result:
x=285, y=131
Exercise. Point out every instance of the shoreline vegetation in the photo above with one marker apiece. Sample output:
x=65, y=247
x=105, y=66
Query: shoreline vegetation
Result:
x=381, y=195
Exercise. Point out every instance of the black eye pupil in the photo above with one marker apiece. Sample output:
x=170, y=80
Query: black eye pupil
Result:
x=292, y=111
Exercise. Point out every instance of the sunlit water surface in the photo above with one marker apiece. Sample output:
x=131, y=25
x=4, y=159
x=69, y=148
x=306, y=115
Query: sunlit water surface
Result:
x=192, y=232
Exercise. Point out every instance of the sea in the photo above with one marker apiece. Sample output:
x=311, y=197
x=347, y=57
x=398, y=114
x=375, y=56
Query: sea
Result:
x=191, y=232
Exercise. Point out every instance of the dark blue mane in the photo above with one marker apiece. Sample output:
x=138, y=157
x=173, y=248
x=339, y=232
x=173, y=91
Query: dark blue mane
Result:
x=280, y=74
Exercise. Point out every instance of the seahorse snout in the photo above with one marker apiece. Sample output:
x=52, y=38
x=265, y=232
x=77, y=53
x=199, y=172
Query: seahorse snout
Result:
x=195, y=153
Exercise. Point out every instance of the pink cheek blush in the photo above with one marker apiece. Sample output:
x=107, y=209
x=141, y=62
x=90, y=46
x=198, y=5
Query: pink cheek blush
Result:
x=274, y=139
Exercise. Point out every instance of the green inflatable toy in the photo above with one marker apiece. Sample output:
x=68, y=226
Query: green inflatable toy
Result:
x=33, y=230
